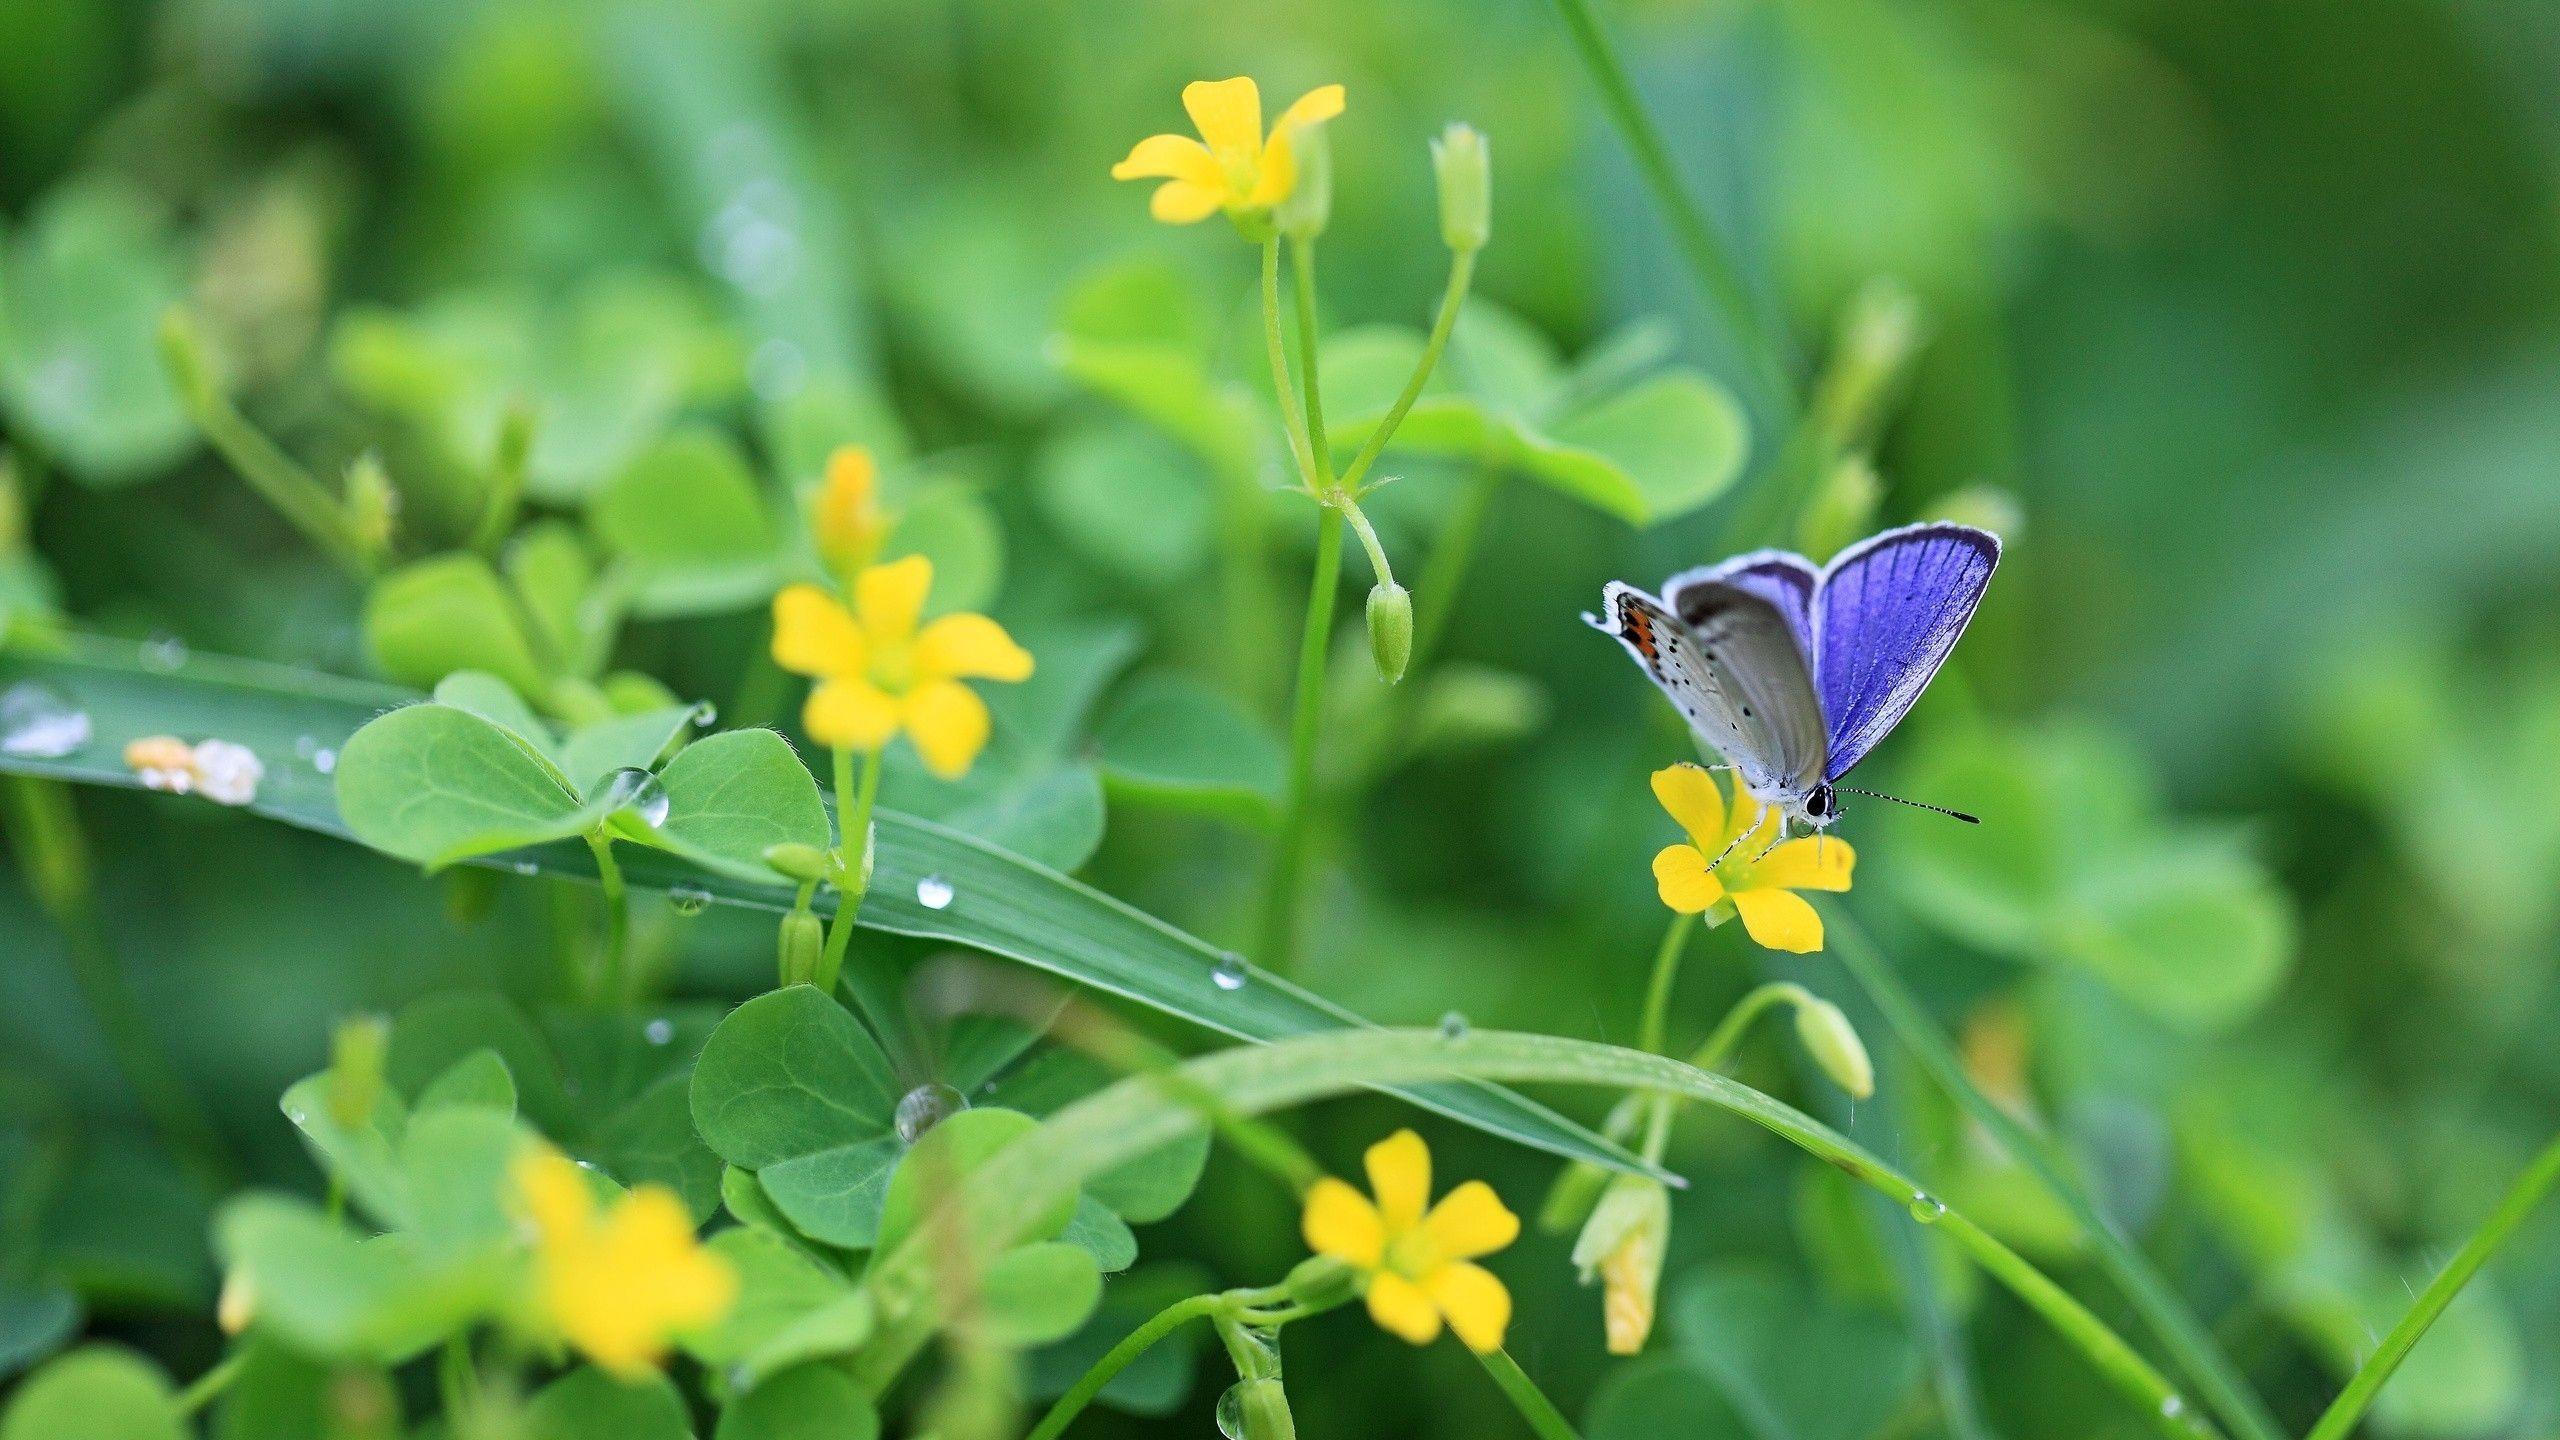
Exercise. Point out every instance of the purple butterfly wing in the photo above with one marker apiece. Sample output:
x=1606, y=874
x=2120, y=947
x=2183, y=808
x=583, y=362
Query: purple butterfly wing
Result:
x=1886, y=615
x=1781, y=577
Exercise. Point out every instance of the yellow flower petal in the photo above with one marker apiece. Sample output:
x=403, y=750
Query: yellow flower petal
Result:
x=1478, y=1307
x=1400, y=1176
x=1682, y=879
x=1779, y=920
x=948, y=722
x=890, y=598
x=553, y=1193
x=676, y=1283
x=1180, y=202
x=1694, y=800
x=1471, y=1221
x=1340, y=1222
x=1169, y=157
x=1275, y=174
x=1815, y=863
x=813, y=635
x=1228, y=114
x=850, y=714
x=1313, y=108
x=1403, y=1308
x=1746, y=816
x=846, y=519
x=969, y=647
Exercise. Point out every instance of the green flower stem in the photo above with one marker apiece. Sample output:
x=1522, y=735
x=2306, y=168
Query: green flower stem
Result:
x=2339, y=1420
x=211, y=1383
x=1302, y=261
x=2180, y=1333
x=1293, y=423
x=301, y=499
x=505, y=502
x=1717, y=1052
x=1462, y=269
x=1526, y=1397
x=45, y=832
x=1171, y=1318
x=1358, y=519
x=613, y=976
x=853, y=856
x=1289, y=853
x=1657, y=990
x=1008, y=1194
x=1711, y=262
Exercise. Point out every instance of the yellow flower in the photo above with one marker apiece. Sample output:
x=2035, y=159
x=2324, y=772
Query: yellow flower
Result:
x=846, y=519
x=1622, y=1246
x=1239, y=168
x=1760, y=881
x=617, y=1284
x=878, y=672
x=1417, y=1265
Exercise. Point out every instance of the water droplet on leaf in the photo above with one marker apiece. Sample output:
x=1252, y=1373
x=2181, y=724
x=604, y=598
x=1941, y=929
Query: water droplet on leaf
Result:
x=1453, y=1026
x=1231, y=1412
x=1230, y=973
x=934, y=893
x=38, y=722
x=689, y=899
x=1926, y=1208
x=164, y=652
x=926, y=1106
x=660, y=1031
x=635, y=791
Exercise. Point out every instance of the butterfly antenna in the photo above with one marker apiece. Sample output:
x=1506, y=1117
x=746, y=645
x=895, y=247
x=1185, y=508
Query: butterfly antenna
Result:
x=1914, y=804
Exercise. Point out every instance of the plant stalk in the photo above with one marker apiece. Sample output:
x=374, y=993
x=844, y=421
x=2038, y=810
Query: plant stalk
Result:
x=853, y=855
x=1525, y=1396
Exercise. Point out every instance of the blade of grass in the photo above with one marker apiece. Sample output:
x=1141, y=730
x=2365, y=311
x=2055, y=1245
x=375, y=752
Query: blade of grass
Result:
x=2339, y=1420
x=2215, y=1378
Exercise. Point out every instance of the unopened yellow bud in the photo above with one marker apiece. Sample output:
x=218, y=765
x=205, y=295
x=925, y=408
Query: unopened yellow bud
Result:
x=1461, y=162
x=359, y=1055
x=803, y=948
x=1834, y=1045
x=1390, y=629
x=1623, y=1245
x=238, y=1304
x=846, y=519
x=373, y=504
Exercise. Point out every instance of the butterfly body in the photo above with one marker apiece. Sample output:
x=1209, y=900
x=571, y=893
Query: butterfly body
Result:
x=1794, y=672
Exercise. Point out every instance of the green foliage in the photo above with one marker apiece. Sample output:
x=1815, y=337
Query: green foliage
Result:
x=98, y=1392
x=82, y=288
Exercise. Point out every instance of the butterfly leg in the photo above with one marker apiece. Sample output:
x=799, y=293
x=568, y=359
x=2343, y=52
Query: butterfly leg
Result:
x=1731, y=845
x=1774, y=844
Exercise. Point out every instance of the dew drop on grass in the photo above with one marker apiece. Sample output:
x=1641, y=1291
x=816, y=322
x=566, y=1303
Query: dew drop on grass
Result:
x=38, y=722
x=660, y=1031
x=1229, y=973
x=325, y=761
x=1453, y=1026
x=164, y=652
x=525, y=867
x=636, y=791
x=2172, y=1406
x=1231, y=1412
x=1926, y=1208
x=706, y=714
x=689, y=899
x=935, y=893
x=924, y=1107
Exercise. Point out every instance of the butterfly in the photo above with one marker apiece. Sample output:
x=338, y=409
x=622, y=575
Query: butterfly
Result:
x=1794, y=672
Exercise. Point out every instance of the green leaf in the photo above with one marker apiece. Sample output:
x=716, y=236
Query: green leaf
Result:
x=588, y=1404
x=82, y=289
x=621, y=742
x=652, y=1141
x=948, y=523
x=810, y=1402
x=555, y=580
x=366, y=1157
x=435, y=785
x=1175, y=742
x=479, y=1078
x=944, y=1159
x=1678, y=438
x=282, y=1394
x=335, y=1294
x=835, y=1195
x=432, y=617
x=790, y=1309
x=1661, y=1395
x=494, y=700
x=688, y=521
x=1001, y=903
x=1055, y=818
x=1128, y=500
x=1141, y=1191
x=34, y=1319
x=1157, y=1381
x=733, y=795
x=1778, y=1350
x=790, y=1073
x=98, y=1392
x=1038, y=1293
x=1098, y=1232
x=433, y=1034
x=460, y=1163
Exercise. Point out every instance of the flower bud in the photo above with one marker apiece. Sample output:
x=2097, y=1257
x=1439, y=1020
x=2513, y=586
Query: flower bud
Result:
x=238, y=1304
x=1878, y=333
x=1390, y=629
x=1302, y=213
x=803, y=948
x=373, y=505
x=802, y=864
x=845, y=519
x=1843, y=507
x=1984, y=507
x=1623, y=1244
x=1834, y=1045
x=1320, y=1281
x=1256, y=1410
x=359, y=1054
x=1465, y=171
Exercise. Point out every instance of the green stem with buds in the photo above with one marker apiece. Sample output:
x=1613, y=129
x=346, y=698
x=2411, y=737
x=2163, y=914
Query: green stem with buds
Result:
x=1289, y=854
x=1453, y=297
x=854, y=803
x=296, y=495
x=2214, y=1376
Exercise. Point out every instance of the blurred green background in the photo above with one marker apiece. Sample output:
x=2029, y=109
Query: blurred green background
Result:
x=2240, y=321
